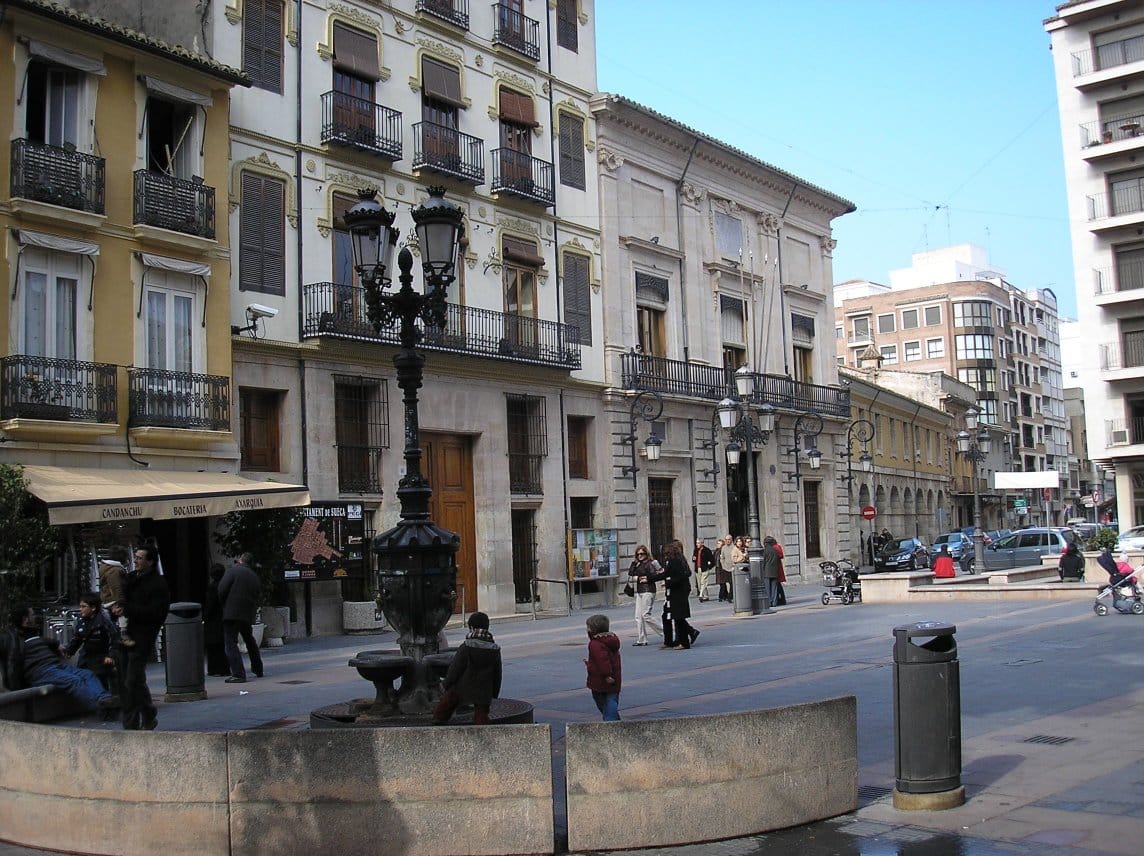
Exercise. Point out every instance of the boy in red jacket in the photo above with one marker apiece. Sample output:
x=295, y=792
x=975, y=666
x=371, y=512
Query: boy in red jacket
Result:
x=604, y=667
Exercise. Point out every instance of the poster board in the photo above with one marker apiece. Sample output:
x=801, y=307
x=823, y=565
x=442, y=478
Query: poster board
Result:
x=593, y=553
x=330, y=543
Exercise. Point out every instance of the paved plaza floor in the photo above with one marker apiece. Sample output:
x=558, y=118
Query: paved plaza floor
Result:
x=1052, y=704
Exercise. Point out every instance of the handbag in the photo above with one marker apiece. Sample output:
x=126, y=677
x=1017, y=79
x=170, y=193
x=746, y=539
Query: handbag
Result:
x=629, y=590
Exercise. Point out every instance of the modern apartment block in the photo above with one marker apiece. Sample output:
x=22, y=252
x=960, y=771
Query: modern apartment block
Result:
x=951, y=311
x=1098, y=56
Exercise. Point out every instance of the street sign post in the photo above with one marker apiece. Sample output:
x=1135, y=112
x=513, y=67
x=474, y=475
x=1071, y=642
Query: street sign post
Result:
x=869, y=512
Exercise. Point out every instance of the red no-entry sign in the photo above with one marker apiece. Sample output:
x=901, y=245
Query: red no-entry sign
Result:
x=869, y=512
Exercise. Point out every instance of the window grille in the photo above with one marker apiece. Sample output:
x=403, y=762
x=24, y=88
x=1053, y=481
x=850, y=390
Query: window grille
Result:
x=651, y=286
x=361, y=423
x=527, y=442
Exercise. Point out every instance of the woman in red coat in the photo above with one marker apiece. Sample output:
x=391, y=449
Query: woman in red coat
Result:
x=943, y=564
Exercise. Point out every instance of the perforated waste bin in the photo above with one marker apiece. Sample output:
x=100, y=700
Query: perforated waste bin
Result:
x=741, y=590
x=927, y=708
x=186, y=672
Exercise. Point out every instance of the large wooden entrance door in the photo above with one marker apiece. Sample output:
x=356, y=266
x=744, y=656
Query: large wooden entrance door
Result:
x=447, y=461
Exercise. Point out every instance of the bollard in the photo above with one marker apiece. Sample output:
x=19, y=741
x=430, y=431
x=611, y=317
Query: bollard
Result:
x=927, y=717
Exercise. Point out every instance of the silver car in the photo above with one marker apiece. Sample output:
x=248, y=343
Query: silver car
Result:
x=1025, y=547
x=1133, y=539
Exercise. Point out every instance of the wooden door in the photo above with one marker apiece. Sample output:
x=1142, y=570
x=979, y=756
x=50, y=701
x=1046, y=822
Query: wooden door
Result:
x=661, y=514
x=447, y=461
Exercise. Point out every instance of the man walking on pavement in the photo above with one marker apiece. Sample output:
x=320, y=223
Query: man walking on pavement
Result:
x=146, y=600
x=703, y=561
x=240, y=591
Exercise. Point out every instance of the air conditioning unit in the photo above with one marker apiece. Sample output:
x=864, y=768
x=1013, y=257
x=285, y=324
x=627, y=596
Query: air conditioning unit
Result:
x=1119, y=437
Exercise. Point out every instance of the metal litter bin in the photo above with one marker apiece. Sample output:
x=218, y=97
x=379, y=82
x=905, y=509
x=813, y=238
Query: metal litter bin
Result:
x=927, y=708
x=186, y=671
x=741, y=589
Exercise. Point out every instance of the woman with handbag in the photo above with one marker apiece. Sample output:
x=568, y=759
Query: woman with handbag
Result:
x=642, y=576
x=676, y=575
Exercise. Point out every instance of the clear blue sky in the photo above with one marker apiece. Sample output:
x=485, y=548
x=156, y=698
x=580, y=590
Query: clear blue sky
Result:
x=937, y=118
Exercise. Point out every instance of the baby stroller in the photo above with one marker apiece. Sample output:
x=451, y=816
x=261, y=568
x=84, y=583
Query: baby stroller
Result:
x=1122, y=593
x=841, y=578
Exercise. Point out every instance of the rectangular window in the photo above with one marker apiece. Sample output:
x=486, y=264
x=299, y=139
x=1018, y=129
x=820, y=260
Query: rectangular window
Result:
x=977, y=347
x=572, y=172
x=982, y=380
x=578, y=455
x=1126, y=192
x=355, y=52
x=49, y=301
x=262, y=43
x=527, y=442
x=651, y=331
x=839, y=334
x=53, y=97
x=973, y=313
x=262, y=234
x=259, y=429
x=860, y=327
x=733, y=320
x=169, y=303
x=728, y=236
x=578, y=296
x=935, y=348
x=932, y=316
x=1129, y=268
x=889, y=354
x=912, y=351
x=909, y=319
x=886, y=323
x=582, y=512
x=361, y=430
x=567, y=32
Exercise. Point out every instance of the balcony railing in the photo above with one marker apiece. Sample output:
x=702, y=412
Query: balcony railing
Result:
x=358, y=468
x=1128, y=275
x=62, y=390
x=520, y=174
x=166, y=399
x=713, y=383
x=1112, y=129
x=1110, y=55
x=1128, y=354
x=453, y=11
x=57, y=176
x=329, y=309
x=1128, y=200
x=860, y=336
x=516, y=31
x=361, y=124
x=525, y=473
x=172, y=203
x=1124, y=432
x=448, y=151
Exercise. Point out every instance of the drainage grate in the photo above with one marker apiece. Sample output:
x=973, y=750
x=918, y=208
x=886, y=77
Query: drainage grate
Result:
x=871, y=793
x=1048, y=740
x=295, y=683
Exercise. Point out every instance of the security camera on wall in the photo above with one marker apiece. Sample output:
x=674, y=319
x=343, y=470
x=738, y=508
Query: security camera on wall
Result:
x=254, y=312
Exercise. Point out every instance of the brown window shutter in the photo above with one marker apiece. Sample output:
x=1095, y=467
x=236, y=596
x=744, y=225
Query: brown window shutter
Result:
x=572, y=151
x=522, y=252
x=516, y=107
x=274, y=231
x=577, y=296
x=262, y=235
x=441, y=81
x=355, y=52
x=342, y=204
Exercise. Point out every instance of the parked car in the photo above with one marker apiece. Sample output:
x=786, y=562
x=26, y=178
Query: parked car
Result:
x=1024, y=547
x=1133, y=539
x=902, y=554
x=958, y=543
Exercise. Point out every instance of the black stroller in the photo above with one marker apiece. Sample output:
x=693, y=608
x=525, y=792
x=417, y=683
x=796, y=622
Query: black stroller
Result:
x=1122, y=592
x=841, y=578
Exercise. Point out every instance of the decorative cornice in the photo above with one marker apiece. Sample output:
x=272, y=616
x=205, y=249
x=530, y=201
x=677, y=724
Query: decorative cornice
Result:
x=515, y=81
x=692, y=195
x=631, y=241
x=828, y=244
x=347, y=183
x=441, y=49
x=769, y=224
x=356, y=18
x=261, y=163
x=608, y=159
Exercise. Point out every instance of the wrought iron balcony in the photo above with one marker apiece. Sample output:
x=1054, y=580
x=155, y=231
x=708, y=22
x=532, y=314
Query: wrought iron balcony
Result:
x=62, y=390
x=713, y=383
x=166, y=399
x=453, y=11
x=516, y=31
x=449, y=152
x=1122, y=202
x=339, y=311
x=1126, y=354
x=172, y=203
x=520, y=174
x=1110, y=55
x=361, y=124
x=57, y=176
x=1127, y=275
x=1113, y=129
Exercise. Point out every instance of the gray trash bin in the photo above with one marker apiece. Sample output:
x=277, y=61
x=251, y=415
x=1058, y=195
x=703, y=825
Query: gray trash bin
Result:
x=741, y=589
x=186, y=672
x=927, y=708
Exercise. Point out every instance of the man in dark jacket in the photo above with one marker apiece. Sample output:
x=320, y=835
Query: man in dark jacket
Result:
x=240, y=591
x=703, y=561
x=771, y=564
x=30, y=660
x=474, y=676
x=146, y=600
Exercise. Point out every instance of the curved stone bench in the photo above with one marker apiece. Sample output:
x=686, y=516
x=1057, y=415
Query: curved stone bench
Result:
x=426, y=791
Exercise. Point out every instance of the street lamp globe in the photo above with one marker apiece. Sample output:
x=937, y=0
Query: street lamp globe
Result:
x=963, y=441
x=867, y=462
x=438, y=226
x=766, y=418
x=744, y=382
x=728, y=413
x=734, y=450
x=814, y=457
x=971, y=418
x=652, y=447
x=372, y=237
x=984, y=442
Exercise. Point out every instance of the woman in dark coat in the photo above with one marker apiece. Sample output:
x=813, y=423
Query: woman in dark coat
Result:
x=1071, y=565
x=676, y=575
x=212, y=625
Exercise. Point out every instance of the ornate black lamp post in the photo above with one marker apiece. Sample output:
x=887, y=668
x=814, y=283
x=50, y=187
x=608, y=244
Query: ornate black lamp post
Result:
x=807, y=426
x=975, y=450
x=736, y=417
x=417, y=565
x=862, y=431
x=648, y=406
